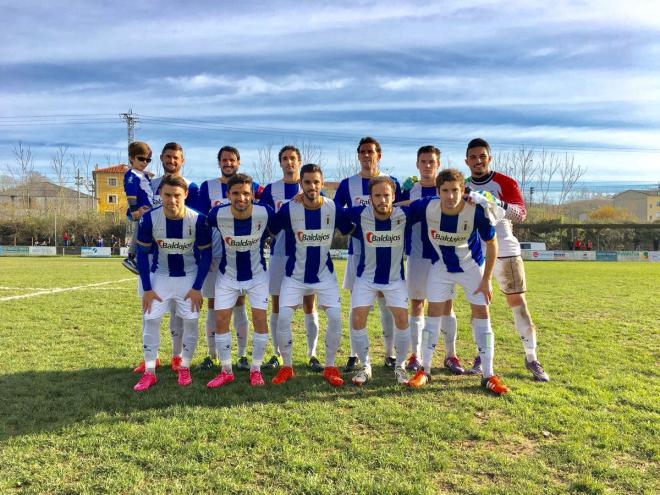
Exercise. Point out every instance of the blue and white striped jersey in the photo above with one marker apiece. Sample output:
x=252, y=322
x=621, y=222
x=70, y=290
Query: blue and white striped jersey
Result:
x=308, y=237
x=379, y=244
x=191, y=200
x=414, y=245
x=354, y=191
x=242, y=241
x=453, y=240
x=137, y=188
x=175, y=243
x=276, y=195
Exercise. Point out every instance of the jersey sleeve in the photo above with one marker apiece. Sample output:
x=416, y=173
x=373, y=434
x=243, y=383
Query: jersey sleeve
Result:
x=397, y=192
x=266, y=198
x=342, y=197
x=202, y=232
x=193, y=196
x=131, y=185
x=415, y=210
x=484, y=227
x=145, y=234
x=273, y=220
x=283, y=218
x=212, y=218
x=512, y=196
x=343, y=221
x=203, y=199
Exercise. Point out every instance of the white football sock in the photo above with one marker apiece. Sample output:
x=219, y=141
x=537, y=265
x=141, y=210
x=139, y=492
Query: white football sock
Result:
x=190, y=337
x=241, y=326
x=526, y=329
x=273, y=332
x=448, y=329
x=312, y=332
x=259, y=343
x=223, y=345
x=360, y=340
x=416, y=326
x=332, y=335
x=284, y=335
x=210, y=333
x=150, y=342
x=483, y=336
x=401, y=344
x=430, y=336
x=387, y=320
x=176, y=332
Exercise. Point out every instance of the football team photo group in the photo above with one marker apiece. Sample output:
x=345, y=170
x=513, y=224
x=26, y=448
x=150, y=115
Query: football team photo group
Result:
x=411, y=245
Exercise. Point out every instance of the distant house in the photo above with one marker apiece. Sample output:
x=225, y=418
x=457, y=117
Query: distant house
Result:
x=645, y=205
x=109, y=189
x=43, y=195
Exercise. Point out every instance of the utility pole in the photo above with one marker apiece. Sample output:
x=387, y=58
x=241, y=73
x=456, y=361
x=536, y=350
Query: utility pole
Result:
x=131, y=120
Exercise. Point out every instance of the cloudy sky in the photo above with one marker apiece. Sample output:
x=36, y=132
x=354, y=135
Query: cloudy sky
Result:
x=581, y=77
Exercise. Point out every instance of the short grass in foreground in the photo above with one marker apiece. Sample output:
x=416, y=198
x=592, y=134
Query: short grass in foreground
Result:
x=71, y=423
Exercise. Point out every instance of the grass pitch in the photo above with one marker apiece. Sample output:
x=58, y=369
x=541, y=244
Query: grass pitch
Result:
x=71, y=423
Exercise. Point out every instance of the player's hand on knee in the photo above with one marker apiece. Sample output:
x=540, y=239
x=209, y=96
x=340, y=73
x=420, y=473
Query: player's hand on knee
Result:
x=486, y=288
x=196, y=299
x=148, y=298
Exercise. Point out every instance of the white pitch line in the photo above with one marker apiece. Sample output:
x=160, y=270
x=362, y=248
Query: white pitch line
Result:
x=63, y=289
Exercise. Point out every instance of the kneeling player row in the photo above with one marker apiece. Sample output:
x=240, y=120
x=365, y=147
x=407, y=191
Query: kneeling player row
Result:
x=174, y=257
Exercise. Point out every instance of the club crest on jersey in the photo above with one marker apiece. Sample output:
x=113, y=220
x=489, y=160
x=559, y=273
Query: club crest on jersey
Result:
x=190, y=232
x=465, y=225
x=314, y=237
x=383, y=238
x=456, y=239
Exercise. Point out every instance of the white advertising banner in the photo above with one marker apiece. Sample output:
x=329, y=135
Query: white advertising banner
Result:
x=43, y=251
x=654, y=256
x=542, y=255
x=629, y=256
x=123, y=251
x=95, y=252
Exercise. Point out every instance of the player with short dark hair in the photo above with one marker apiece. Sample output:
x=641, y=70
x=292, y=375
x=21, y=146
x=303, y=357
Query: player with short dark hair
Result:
x=308, y=226
x=179, y=243
x=354, y=191
x=243, y=229
x=509, y=268
x=276, y=195
x=452, y=231
x=213, y=192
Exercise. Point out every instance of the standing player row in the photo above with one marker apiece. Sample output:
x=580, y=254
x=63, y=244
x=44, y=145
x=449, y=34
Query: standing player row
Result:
x=376, y=153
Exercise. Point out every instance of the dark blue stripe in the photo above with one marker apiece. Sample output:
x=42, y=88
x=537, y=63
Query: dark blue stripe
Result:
x=449, y=223
x=383, y=256
x=312, y=253
x=243, y=258
x=174, y=230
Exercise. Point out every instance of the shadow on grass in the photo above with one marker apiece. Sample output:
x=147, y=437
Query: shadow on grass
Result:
x=43, y=401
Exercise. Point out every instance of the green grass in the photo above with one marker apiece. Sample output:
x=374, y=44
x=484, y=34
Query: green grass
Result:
x=71, y=423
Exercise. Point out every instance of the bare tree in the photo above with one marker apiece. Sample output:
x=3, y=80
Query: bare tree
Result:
x=517, y=164
x=59, y=163
x=23, y=172
x=310, y=153
x=547, y=167
x=264, y=167
x=347, y=165
x=570, y=174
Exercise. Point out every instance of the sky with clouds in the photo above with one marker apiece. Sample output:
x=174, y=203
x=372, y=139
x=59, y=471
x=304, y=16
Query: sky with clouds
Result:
x=581, y=77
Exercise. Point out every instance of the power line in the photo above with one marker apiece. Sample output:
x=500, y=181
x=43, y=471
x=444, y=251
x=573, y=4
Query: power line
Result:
x=177, y=122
